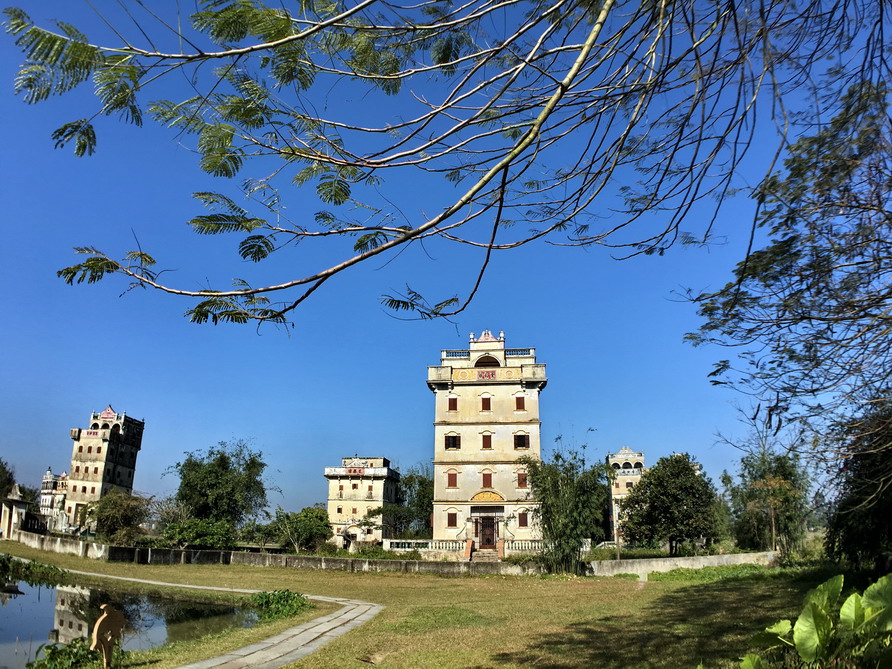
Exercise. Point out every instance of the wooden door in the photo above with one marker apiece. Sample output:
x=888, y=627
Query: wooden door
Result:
x=487, y=532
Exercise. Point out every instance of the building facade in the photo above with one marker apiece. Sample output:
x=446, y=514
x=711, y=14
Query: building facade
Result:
x=627, y=466
x=486, y=417
x=355, y=488
x=53, y=492
x=103, y=458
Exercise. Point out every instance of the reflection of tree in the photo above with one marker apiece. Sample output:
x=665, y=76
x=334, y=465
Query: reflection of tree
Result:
x=183, y=619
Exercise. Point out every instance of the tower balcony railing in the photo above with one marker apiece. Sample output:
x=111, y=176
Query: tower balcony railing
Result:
x=636, y=471
x=457, y=354
x=518, y=351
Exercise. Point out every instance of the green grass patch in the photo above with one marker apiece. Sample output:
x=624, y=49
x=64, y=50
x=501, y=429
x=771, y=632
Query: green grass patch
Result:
x=514, y=621
x=631, y=577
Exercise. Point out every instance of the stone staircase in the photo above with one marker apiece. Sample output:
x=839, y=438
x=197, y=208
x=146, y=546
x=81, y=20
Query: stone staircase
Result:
x=485, y=555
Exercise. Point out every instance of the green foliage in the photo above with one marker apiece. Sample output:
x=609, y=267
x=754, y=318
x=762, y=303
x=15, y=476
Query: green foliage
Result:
x=118, y=515
x=224, y=484
x=279, y=604
x=710, y=574
x=32, y=573
x=673, y=503
x=855, y=634
x=410, y=518
x=859, y=530
x=810, y=309
x=201, y=533
x=72, y=655
x=573, y=498
x=305, y=529
x=7, y=478
x=769, y=504
x=479, y=86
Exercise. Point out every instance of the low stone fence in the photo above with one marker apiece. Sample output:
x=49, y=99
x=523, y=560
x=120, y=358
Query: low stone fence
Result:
x=401, y=566
x=452, y=567
x=647, y=566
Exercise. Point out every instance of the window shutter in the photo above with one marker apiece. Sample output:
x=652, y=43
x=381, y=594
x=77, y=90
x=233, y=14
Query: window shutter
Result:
x=521, y=480
x=519, y=403
x=451, y=520
x=487, y=480
x=522, y=519
x=451, y=480
x=453, y=404
x=485, y=404
x=487, y=441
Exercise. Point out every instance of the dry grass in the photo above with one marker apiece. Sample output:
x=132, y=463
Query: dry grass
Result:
x=514, y=621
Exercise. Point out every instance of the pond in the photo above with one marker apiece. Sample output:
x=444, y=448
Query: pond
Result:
x=34, y=615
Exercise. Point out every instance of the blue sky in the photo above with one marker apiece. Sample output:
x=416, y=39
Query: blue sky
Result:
x=348, y=378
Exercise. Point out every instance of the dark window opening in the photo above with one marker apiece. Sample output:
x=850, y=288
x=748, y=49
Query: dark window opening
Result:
x=523, y=519
x=487, y=441
x=452, y=404
x=521, y=441
x=486, y=404
x=453, y=442
x=521, y=480
x=451, y=480
x=487, y=480
x=451, y=519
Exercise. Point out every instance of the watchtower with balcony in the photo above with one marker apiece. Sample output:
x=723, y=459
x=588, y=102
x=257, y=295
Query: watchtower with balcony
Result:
x=355, y=488
x=486, y=417
x=103, y=458
x=627, y=466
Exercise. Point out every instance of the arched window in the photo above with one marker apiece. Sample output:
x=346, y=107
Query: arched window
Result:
x=638, y=465
x=94, y=426
x=616, y=465
x=486, y=361
x=627, y=465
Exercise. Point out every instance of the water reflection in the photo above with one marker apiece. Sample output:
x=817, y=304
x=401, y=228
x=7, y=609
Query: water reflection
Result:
x=29, y=616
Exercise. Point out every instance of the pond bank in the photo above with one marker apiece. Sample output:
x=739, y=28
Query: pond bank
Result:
x=282, y=648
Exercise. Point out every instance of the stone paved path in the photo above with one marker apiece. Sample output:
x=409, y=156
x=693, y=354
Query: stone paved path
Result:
x=285, y=647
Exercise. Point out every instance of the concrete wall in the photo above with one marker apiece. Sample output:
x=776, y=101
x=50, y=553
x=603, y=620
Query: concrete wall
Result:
x=66, y=546
x=644, y=567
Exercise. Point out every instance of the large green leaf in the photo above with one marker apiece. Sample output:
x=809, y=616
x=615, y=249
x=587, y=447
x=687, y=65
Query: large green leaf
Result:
x=879, y=596
x=851, y=615
x=827, y=594
x=812, y=632
x=751, y=661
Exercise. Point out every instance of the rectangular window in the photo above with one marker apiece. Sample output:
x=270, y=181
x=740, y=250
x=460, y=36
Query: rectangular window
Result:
x=452, y=404
x=630, y=484
x=80, y=449
x=89, y=449
x=521, y=441
x=93, y=490
x=487, y=442
x=523, y=519
x=77, y=469
x=99, y=449
x=353, y=511
x=521, y=480
x=451, y=520
x=487, y=480
x=355, y=486
x=520, y=403
x=451, y=480
x=83, y=488
x=340, y=487
x=453, y=442
x=95, y=470
x=485, y=404
x=340, y=509
x=370, y=488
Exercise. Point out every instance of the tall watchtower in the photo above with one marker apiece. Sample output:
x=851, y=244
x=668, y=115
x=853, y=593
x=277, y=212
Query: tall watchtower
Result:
x=103, y=458
x=627, y=465
x=486, y=417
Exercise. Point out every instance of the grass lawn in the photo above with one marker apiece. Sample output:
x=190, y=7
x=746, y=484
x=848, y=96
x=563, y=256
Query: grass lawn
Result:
x=513, y=621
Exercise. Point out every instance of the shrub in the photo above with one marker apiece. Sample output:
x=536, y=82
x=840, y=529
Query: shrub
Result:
x=65, y=656
x=32, y=573
x=279, y=604
x=708, y=574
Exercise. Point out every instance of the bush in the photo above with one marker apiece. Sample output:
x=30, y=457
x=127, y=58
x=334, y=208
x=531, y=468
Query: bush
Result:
x=599, y=554
x=523, y=559
x=65, y=656
x=279, y=604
